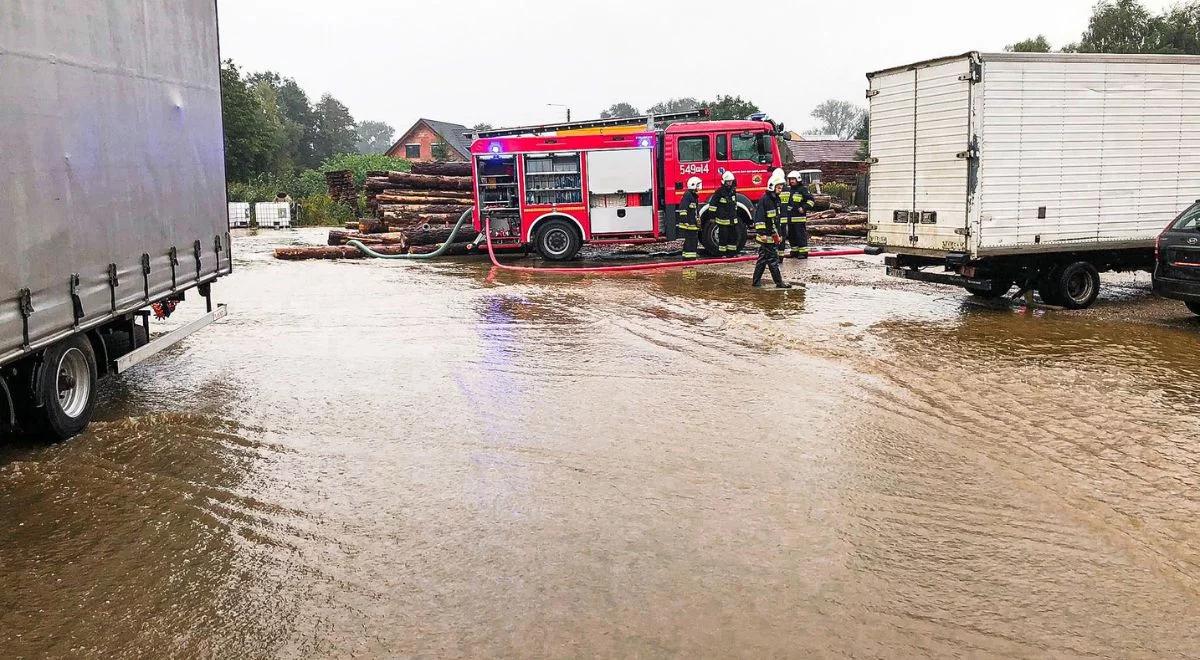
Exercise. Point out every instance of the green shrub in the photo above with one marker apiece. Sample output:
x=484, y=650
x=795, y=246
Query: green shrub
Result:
x=838, y=191
x=360, y=164
x=321, y=211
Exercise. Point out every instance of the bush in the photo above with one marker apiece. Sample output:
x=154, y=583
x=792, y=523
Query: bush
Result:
x=360, y=164
x=262, y=188
x=838, y=191
x=321, y=211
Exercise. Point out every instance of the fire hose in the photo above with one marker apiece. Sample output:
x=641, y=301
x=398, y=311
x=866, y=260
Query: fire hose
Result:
x=487, y=228
x=431, y=255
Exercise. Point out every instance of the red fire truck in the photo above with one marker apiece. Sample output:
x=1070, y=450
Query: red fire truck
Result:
x=557, y=186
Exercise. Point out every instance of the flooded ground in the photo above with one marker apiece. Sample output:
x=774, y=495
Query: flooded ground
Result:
x=394, y=459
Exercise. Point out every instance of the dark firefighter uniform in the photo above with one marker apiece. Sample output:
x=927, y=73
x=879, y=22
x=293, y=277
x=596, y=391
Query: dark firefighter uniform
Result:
x=687, y=220
x=766, y=233
x=724, y=201
x=797, y=202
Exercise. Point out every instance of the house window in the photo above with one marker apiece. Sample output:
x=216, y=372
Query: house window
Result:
x=412, y=151
x=693, y=149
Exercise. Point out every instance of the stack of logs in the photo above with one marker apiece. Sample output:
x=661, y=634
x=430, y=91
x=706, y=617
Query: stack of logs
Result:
x=833, y=219
x=342, y=189
x=414, y=214
x=433, y=193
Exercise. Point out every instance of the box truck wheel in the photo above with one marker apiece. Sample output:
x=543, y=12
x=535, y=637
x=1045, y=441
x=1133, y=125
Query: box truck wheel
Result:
x=558, y=240
x=64, y=389
x=1074, y=286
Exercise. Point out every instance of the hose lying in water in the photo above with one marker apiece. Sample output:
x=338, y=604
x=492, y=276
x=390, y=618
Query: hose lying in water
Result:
x=431, y=255
x=487, y=232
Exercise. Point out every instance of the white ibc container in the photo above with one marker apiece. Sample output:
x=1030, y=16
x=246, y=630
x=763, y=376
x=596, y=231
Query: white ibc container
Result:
x=274, y=215
x=239, y=214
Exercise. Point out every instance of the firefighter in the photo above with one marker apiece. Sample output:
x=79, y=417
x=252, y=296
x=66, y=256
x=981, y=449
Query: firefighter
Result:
x=688, y=218
x=799, y=202
x=766, y=232
x=724, y=200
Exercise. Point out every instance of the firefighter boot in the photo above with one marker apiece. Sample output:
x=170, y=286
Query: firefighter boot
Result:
x=778, y=277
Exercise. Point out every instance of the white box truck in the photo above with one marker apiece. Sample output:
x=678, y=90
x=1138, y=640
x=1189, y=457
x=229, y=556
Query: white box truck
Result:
x=1040, y=170
x=112, y=193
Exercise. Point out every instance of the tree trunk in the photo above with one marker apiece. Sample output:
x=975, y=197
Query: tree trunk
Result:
x=306, y=252
x=434, y=235
x=843, y=230
x=455, y=249
x=442, y=169
x=431, y=218
x=371, y=226
x=425, y=209
x=411, y=197
x=430, y=181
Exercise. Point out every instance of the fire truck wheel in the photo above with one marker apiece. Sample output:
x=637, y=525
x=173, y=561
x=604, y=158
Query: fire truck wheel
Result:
x=708, y=237
x=558, y=240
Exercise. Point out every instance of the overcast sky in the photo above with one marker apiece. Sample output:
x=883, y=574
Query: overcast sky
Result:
x=502, y=62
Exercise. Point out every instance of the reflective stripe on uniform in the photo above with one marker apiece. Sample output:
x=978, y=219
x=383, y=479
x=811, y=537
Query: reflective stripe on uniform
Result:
x=771, y=214
x=685, y=226
x=811, y=204
x=689, y=255
x=722, y=222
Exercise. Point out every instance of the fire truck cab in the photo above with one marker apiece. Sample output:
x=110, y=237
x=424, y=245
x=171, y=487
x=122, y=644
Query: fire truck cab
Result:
x=596, y=182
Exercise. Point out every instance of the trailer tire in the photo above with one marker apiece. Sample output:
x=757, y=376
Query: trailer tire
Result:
x=1075, y=285
x=1193, y=307
x=64, y=390
x=558, y=240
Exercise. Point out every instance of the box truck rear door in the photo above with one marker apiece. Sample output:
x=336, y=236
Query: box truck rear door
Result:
x=942, y=135
x=892, y=134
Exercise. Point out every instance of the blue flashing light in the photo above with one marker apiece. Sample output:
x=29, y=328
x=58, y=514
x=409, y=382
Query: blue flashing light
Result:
x=494, y=147
x=644, y=142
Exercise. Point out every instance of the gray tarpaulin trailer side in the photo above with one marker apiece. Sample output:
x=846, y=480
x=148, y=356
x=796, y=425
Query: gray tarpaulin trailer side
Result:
x=112, y=178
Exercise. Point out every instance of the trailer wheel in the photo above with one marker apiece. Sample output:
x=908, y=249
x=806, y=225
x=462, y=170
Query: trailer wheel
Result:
x=1076, y=285
x=64, y=389
x=558, y=240
x=1193, y=307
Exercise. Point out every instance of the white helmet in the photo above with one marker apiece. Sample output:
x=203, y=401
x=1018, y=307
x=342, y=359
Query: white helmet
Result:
x=694, y=183
x=776, y=179
x=727, y=177
x=794, y=174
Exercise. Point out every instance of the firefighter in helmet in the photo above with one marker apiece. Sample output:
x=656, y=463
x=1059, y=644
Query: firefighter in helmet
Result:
x=688, y=218
x=766, y=232
x=724, y=200
x=796, y=207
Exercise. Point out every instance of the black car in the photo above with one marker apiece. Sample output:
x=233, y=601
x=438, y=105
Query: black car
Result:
x=1177, y=260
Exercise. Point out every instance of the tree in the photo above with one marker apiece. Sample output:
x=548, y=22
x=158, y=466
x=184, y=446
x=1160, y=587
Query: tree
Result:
x=1119, y=26
x=1179, y=31
x=335, y=128
x=619, y=110
x=683, y=104
x=840, y=118
x=248, y=134
x=1038, y=44
x=731, y=107
x=482, y=126
x=440, y=151
x=373, y=137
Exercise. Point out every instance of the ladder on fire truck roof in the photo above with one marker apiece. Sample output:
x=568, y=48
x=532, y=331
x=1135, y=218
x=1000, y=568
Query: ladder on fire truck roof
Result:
x=651, y=121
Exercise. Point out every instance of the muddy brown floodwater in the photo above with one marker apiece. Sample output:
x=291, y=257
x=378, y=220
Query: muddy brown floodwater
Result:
x=381, y=459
